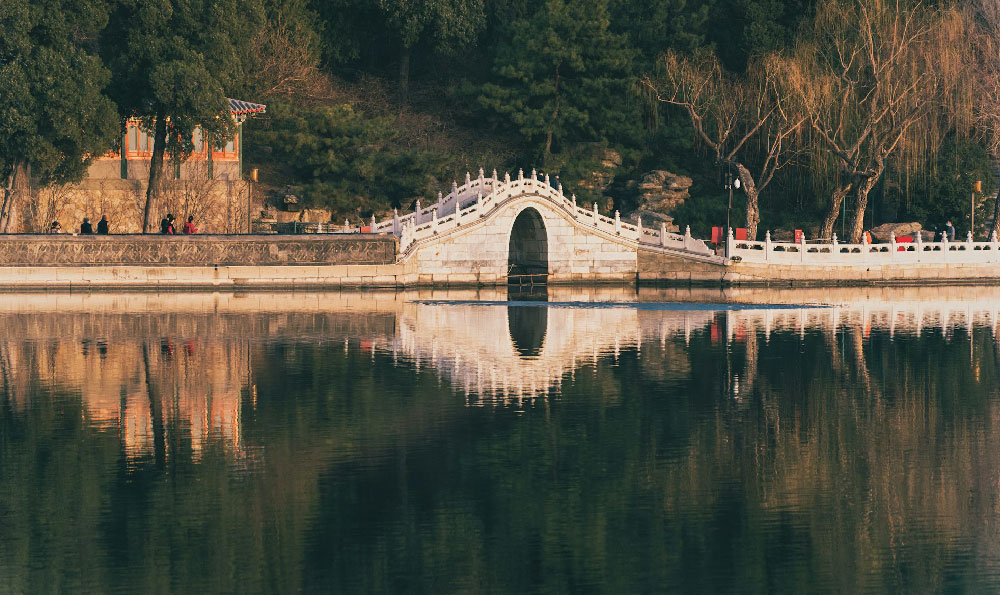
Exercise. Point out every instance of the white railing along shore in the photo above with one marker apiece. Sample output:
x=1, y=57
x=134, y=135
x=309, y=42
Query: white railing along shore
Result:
x=835, y=253
x=478, y=197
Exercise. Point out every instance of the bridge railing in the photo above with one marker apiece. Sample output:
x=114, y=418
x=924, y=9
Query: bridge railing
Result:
x=478, y=197
x=834, y=253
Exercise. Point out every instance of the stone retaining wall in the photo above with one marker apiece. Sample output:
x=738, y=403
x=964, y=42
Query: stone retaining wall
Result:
x=194, y=250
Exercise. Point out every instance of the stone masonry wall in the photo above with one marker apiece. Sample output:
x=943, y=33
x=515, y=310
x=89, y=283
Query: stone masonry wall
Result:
x=196, y=250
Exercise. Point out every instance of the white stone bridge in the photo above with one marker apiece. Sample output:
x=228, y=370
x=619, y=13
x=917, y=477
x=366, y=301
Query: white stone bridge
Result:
x=490, y=229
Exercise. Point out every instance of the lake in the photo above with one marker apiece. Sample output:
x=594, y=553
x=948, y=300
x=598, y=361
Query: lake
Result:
x=563, y=441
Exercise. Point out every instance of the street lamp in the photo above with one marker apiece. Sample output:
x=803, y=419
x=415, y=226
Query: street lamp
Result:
x=730, y=184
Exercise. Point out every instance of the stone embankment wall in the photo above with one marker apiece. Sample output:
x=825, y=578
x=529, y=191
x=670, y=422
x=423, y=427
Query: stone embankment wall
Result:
x=217, y=205
x=199, y=261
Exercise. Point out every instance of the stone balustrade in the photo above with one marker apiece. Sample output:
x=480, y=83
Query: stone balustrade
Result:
x=835, y=253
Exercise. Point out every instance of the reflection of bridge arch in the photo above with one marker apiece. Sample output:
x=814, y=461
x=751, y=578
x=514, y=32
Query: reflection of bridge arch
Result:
x=528, y=248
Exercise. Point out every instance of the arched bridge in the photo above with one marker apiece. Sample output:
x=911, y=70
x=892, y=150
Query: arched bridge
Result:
x=491, y=229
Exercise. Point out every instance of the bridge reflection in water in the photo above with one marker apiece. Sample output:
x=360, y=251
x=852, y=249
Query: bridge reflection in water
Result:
x=353, y=442
x=184, y=361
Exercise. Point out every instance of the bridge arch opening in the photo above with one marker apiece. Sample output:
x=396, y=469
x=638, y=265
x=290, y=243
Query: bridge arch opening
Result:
x=528, y=254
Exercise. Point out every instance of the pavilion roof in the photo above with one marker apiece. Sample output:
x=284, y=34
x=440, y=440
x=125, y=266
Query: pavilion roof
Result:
x=240, y=107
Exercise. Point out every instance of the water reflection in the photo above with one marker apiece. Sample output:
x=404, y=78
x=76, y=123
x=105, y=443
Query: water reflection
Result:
x=416, y=442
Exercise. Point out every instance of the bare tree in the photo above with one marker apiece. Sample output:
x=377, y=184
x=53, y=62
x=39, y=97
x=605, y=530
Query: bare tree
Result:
x=868, y=76
x=984, y=19
x=743, y=120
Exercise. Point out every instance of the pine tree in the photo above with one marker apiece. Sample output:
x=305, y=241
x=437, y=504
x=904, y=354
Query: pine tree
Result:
x=562, y=76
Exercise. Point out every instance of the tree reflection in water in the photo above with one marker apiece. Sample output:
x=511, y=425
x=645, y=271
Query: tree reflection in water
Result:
x=323, y=443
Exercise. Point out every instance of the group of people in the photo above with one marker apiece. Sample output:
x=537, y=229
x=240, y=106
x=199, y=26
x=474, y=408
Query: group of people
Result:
x=86, y=228
x=104, y=226
x=167, y=225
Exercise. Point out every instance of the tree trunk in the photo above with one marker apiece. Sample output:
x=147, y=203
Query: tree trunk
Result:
x=837, y=200
x=155, y=170
x=552, y=122
x=404, y=71
x=8, y=198
x=753, y=208
x=858, y=224
x=995, y=226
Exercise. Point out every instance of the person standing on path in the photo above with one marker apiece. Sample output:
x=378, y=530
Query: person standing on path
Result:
x=189, y=226
x=102, y=226
x=949, y=230
x=86, y=228
x=167, y=225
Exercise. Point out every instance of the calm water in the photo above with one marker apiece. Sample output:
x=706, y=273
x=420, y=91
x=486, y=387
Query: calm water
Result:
x=460, y=442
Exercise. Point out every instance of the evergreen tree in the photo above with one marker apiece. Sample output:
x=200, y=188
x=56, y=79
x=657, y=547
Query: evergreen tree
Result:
x=347, y=159
x=53, y=116
x=654, y=26
x=172, y=63
x=562, y=75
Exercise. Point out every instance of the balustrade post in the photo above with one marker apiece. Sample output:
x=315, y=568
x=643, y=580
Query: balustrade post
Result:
x=730, y=242
x=944, y=245
x=547, y=180
x=993, y=245
x=767, y=244
x=506, y=177
x=458, y=212
x=574, y=207
x=663, y=234
x=520, y=174
x=920, y=244
x=434, y=220
x=347, y=226
x=468, y=178
x=688, y=240
x=969, y=241
x=892, y=245
x=638, y=226
x=373, y=223
x=595, y=214
x=395, y=222
x=479, y=204
x=802, y=246
x=618, y=223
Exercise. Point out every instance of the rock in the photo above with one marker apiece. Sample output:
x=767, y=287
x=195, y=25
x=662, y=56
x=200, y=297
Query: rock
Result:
x=315, y=216
x=652, y=220
x=606, y=162
x=304, y=216
x=661, y=191
x=882, y=232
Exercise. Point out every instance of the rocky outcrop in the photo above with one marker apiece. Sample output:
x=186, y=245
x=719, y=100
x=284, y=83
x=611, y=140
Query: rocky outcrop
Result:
x=606, y=161
x=661, y=191
x=883, y=232
x=652, y=220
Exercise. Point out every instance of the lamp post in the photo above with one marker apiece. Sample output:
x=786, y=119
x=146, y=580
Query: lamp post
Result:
x=730, y=184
